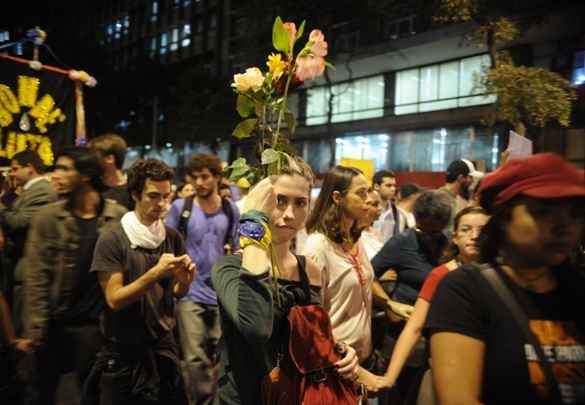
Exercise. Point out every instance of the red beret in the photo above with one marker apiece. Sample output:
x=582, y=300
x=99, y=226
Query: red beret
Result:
x=544, y=175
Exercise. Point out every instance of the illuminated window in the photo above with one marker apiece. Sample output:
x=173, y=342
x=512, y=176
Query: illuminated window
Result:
x=154, y=11
x=163, y=43
x=441, y=86
x=579, y=68
x=186, y=35
x=175, y=39
x=355, y=100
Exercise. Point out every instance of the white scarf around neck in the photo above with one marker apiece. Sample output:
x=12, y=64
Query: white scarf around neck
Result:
x=147, y=237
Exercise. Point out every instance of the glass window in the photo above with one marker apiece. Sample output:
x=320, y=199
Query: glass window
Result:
x=579, y=68
x=175, y=39
x=316, y=153
x=366, y=146
x=317, y=106
x=186, y=35
x=433, y=149
x=406, y=91
x=163, y=43
x=355, y=100
x=441, y=86
x=429, y=83
x=154, y=11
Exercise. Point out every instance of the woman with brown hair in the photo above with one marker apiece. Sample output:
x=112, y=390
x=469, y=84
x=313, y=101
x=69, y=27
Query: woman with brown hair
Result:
x=334, y=244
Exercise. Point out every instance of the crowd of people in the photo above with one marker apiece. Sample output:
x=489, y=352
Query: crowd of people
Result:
x=153, y=293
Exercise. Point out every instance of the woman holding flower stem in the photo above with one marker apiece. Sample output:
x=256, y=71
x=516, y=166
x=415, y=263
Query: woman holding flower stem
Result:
x=257, y=289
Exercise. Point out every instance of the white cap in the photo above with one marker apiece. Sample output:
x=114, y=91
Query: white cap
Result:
x=472, y=172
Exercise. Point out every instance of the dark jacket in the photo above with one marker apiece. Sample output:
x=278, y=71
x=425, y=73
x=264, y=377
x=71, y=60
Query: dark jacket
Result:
x=17, y=218
x=50, y=260
x=412, y=262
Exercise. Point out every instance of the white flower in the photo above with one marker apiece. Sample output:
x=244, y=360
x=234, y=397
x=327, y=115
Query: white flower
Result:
x=252, y=79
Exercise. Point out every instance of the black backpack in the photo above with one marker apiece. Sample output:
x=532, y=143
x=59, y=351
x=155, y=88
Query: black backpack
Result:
x=227, y=209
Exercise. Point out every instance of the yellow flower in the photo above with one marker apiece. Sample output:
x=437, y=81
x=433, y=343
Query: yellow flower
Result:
x=276, y=65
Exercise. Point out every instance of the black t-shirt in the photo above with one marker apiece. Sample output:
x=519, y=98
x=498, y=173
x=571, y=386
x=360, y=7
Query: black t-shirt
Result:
x=466, y=304
x=152, y=316
x=88, y=300
x=121, y=195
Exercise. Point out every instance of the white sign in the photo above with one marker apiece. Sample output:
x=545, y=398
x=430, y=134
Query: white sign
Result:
x=519, y=146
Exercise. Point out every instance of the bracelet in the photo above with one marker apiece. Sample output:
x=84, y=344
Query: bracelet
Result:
x=264, y=243
x=254, y=230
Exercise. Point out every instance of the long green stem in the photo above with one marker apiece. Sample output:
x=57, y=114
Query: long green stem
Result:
x=282, y=107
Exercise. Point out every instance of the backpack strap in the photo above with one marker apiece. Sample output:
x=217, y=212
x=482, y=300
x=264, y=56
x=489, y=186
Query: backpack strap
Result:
x=185, y=215
x=304, y=278
x=226, y=205
x=503, y=291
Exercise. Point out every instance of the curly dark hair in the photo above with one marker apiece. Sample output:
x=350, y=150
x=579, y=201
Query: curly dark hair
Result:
x=143, y=169
x=326, y=216
x=202, y=161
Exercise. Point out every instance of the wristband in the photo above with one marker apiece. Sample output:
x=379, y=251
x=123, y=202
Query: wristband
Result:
x=254, y=230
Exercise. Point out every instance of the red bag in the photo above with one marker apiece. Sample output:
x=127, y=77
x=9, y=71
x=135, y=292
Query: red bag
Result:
x=305, y=374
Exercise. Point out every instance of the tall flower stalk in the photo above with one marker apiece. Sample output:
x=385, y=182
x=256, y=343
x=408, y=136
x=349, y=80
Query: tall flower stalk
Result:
x=263, y=96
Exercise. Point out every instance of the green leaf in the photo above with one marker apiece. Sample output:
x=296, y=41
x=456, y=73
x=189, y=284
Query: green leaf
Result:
x=239, y=172
x=301, y=30
x=245, y=128
x=239, y=162
x=272, y=169
x=280, y=37
x=286, y=148
x=244, y=105
x=269, y=156
x=291, y=121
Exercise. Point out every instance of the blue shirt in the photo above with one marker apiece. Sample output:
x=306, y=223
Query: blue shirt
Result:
x=206, y=234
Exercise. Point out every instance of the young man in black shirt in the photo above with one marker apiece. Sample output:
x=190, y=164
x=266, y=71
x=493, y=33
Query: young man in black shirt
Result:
x=112, y=149
x=141, y=266
x=63, y=300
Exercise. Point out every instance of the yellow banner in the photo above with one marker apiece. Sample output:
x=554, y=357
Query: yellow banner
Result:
x=365, y=165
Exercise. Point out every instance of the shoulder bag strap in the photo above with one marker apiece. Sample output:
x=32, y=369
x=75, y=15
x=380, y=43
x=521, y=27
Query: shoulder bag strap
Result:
x=494, y=279
x=229, y=212
x=185, y=215
x=303, y=277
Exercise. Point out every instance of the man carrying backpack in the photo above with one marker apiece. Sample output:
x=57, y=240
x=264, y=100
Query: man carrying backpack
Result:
x=209, y=226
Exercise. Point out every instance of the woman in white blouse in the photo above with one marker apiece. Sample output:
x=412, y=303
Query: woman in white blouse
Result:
x=334, y=244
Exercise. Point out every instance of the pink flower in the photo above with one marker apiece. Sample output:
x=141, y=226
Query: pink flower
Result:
x=292, y=30
x=319, y=46
x=309, y=67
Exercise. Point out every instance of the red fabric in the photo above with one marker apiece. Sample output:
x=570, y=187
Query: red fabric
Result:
x=430, y=285
x=311, y=347
x=544, y=175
